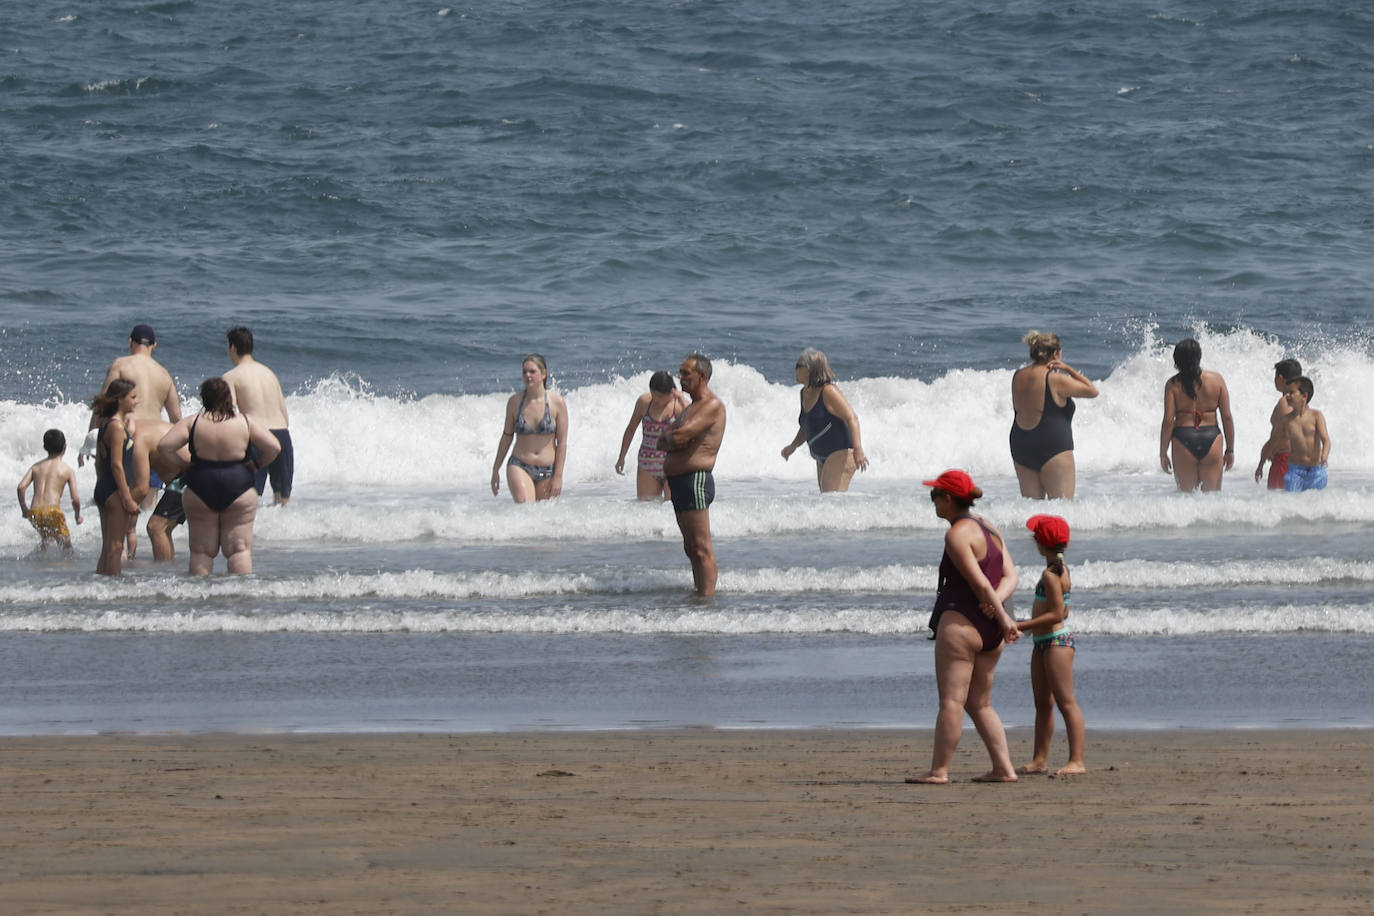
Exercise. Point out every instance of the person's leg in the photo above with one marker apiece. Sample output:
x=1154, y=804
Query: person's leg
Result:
x=282, y=470
x=953, y=671
x=647, y=486
x=543, y=489
x=160, y=536
x=1029, y=480
x=985, y=718
x=695, y=525
x=1059, y=673
x=1210, y=467
x=202, y=534
x=1185, y=467
x=1058, y=476
x=520, y=484
x=114, y=525
x=837, y=471
x=236, y=532
x=1044, y=715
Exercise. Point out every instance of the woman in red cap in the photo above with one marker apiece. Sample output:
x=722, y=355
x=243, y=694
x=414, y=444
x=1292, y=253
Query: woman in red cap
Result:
x=976, y=576
x=1052, y=655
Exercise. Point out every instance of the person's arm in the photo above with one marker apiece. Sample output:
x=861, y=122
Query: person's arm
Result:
x=173, y=401
x=959, y=544
x=1166, y=428
x=265, y=442
x=703, y=416
x=1055, y=611
x=114, y=444
x=142, y=482
x=503, y=445
x=1271, y=446
x=281, y=405
x=76, y=500
x=23, y=490
x=641, y=407
x=1323, y=440
x=170, y=445
x=1228, y=426
x=836, y=403
x=797, y=440
x=560, y=446
x=1069, y=382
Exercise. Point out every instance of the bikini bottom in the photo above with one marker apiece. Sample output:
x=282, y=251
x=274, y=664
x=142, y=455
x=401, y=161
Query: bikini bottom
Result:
x=1197, y=439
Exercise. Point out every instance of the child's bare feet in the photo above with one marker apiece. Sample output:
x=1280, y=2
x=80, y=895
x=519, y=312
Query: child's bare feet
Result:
x=1071, y=769
x=1033, y=769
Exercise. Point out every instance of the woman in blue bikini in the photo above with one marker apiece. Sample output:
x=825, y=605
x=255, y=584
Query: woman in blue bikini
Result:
x=1053, y=651
x=1193, y=402
x=536, y=435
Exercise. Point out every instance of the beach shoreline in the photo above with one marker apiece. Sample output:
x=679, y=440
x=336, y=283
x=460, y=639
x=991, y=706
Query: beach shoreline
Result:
x=685, y=820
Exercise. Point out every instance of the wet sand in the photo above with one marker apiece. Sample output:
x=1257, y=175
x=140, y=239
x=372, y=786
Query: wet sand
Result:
x=682, y=822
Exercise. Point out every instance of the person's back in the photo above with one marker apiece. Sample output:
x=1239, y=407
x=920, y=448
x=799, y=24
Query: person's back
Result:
x=156, y=387
x=1204, y=400
x=257, y=392
x=48, y=478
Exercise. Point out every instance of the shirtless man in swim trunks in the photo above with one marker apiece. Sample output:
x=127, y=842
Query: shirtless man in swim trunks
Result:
x=1276, y=449
x=49, y=478
x=258, y=396
x=149, y=466
x=692, y=443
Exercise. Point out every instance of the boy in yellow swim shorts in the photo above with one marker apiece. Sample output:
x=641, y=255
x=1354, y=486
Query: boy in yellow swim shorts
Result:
x=48, y=478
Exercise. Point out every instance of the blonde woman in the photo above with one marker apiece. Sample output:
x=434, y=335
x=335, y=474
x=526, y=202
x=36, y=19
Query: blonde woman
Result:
x=1042, y=430
x=536, y=435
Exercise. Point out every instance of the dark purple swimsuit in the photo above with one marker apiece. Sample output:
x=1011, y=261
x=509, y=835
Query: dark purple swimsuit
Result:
x=955, y=594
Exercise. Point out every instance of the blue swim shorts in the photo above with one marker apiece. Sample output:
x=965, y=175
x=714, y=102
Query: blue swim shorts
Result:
x=1304, y=477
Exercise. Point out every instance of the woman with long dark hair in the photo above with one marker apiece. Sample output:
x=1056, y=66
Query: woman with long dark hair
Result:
x=1194, y=400
x=114, y=470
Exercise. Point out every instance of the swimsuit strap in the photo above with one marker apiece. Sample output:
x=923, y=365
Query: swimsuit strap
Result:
x=191, y=437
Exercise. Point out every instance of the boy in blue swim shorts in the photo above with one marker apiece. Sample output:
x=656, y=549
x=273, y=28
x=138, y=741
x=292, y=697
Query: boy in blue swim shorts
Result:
x=1309, y=443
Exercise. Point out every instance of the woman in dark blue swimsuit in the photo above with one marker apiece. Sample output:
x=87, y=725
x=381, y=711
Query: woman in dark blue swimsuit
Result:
x=220, y=500
x=827, y=424
x=971, y=623
x=1042, y=430
x=114, y=466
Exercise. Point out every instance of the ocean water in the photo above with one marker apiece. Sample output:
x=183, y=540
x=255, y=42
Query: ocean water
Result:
x=402, y=199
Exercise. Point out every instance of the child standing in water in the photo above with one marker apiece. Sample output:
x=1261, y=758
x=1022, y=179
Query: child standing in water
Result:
x=49, y=478
x=1053, y=652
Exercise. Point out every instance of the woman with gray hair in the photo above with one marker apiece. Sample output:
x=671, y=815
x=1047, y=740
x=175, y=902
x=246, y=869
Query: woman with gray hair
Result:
x=827, y=424
x=1042, y=428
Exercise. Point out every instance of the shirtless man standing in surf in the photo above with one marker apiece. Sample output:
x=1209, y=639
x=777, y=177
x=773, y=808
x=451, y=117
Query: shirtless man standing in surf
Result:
x=692, y=443
x=258, y=396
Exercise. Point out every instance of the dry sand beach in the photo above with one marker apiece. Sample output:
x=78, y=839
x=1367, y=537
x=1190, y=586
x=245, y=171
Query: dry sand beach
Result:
x=682, y=822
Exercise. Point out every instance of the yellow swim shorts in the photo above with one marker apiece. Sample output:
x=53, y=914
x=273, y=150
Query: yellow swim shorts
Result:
x=50, y=523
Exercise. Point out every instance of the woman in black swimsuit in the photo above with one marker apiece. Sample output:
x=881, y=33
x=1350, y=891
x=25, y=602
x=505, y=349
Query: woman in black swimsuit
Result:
x=1194, y=400
x=114, y=464
x=827, y=424
x=536, y=434
x=220, y=502
x=971, y=625
x=1042, y=431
